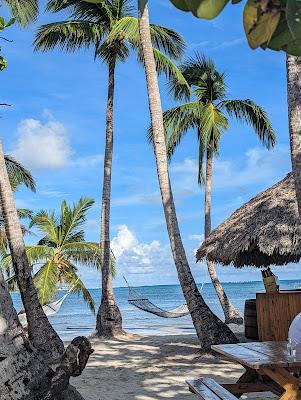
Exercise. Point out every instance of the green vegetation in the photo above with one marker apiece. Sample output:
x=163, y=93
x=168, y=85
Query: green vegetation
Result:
x=56, y=257
x=273, y=24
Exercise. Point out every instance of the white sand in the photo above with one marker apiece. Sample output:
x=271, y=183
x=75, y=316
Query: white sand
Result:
x=148, y=368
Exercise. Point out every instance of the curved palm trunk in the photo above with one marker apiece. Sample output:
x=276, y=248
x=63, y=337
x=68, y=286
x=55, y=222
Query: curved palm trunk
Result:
x=231, y=314
x=40, y=331
x=109, y=320
x=23, y=375
x=209, y=328
x=293, y=65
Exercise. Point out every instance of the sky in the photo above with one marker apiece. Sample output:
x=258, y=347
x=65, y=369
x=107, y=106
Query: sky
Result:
x=56, y=127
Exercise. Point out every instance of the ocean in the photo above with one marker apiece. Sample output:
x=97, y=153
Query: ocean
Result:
x=75, y=318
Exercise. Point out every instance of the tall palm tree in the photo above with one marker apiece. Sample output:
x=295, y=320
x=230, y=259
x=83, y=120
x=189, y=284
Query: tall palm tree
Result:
x=293, y=66
x=56, y=256
x=206, y=112
x=110, y=27
x=210, y=329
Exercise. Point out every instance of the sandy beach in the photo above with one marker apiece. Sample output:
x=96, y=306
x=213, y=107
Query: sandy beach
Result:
x=152, y=367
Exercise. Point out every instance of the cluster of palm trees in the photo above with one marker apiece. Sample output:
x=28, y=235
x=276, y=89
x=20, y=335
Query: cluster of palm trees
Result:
x=112, y=30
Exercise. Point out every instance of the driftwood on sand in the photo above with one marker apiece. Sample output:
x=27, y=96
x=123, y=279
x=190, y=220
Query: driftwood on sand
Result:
x=262, y=232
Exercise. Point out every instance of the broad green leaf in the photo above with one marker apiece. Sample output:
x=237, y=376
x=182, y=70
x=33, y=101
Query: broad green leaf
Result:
x=3, y=63
x=207, y=9
x=291, y=13
x=10, y=22
x=180, y=4
x=2, y=23
x=259, y=27
x=283, y=39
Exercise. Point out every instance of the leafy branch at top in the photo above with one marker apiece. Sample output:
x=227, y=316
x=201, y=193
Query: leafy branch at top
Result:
x=273, y=24
x=3, y=25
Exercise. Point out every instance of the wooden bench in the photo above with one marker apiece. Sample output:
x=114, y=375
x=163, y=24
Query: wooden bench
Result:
x=208, y=389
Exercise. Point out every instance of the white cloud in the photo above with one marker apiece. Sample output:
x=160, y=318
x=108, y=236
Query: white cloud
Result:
x=260, y=166
x=139, y=258
x=88, y=161
x=42, y=145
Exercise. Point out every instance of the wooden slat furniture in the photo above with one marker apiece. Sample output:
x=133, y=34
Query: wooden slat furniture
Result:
x=208, y=389
x=275, y=312
x=268, y=369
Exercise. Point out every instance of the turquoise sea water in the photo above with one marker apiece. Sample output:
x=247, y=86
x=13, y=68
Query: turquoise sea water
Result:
x=74, y=317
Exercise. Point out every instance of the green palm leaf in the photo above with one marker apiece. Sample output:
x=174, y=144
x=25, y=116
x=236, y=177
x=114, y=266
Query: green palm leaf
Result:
x=25, y=11
x=47, y=223
x=78, y=287
x=45, y=281
x=68, y=35
x=249, y=112
x=18, y=174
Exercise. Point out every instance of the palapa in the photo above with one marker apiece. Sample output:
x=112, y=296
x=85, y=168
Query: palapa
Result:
x=265, y=231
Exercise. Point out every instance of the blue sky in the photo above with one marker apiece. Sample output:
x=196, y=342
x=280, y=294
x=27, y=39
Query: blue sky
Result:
x=56, y=127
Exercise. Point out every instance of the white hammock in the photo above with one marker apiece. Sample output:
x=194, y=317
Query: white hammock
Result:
x=137, y=300
x=49, y=309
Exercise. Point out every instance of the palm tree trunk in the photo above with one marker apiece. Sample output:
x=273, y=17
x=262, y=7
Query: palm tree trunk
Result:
x=209, y=328
x=20, y=369
x=231, y=314
x=109, y=320
x=293, y=65
x=40, y=331
x=23, y=375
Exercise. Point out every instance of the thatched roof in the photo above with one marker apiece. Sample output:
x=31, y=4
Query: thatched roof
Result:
x=262, y=232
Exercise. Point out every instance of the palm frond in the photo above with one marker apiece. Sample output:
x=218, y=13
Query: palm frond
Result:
x=168, y=41
x=74, y=217
x=24, y=213
x=213, y=124
x=177, y=121
x=68, y=35
x=18, y=174
x=45, y=281
x=86, y=253
x=248, y=112
x=47, y=223
x=108, y=51
x=12, y=283
x=78, y=287
x=202, y=152
x=25, y=11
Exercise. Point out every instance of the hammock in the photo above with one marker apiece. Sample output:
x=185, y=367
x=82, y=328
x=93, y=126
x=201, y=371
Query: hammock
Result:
x=137, y=300
x=49, y=309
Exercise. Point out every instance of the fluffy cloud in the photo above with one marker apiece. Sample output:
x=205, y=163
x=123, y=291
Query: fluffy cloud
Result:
x=42, y=145
x=139, y=258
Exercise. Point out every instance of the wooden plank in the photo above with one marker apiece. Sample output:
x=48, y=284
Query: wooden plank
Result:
x=277, y=351
x=275, y=312
x=197, y=387
x=208, y=389
x=244, y=356
x=218, y=389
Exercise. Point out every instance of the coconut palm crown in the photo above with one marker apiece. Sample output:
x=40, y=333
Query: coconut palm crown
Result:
x=56, y=257
x=209, y=111
x=111, y=28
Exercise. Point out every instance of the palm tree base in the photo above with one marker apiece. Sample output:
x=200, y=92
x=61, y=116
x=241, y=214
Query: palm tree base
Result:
x=109, y=320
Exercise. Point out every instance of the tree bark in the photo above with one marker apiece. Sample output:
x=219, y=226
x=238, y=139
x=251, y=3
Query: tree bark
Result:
x=23, y=374
x=231, y=314
x=41, y=333
x=209, y=328
x=109, y=320
x=293, y=65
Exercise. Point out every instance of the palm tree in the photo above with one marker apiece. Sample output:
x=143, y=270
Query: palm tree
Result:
x=111, y=29
x=207, y=114
x=210, y=329
x=59, y=252
x=293, y=65
x=24, y=11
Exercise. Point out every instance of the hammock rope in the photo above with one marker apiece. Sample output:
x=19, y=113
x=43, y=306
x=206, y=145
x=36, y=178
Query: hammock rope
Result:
x=144, y=304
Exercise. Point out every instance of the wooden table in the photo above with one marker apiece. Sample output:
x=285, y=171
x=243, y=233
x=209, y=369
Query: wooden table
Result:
x=268, y=369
